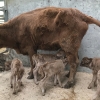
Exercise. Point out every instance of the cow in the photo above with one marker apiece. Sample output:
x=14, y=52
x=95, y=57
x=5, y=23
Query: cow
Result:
x=94, y=65
x=17, y=72
x=48, y=28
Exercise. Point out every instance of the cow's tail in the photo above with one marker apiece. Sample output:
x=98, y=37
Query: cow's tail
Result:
x=91, y=20
x=88, y=19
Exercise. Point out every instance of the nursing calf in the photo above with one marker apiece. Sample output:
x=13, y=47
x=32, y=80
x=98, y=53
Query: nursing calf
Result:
x=40, y=59
x=49, y=69
x=17, y=72
x=94, y=64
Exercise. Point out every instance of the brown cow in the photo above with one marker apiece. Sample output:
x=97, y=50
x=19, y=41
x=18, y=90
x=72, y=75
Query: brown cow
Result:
x=8, y=65
x=55, y=68
x=94, y=64
x=40, y=59
x=17, y=72
x=48, y=28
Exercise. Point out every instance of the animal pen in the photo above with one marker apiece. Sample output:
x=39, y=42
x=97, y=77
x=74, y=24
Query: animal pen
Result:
x=89, y=47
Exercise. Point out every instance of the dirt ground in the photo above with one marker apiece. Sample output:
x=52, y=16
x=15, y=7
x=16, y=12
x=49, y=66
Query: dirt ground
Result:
x=30, y=91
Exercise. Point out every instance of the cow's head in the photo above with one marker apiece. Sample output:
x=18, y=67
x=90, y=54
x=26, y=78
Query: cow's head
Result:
x=86, y=62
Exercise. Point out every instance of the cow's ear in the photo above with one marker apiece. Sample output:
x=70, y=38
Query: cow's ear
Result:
x=58, y=21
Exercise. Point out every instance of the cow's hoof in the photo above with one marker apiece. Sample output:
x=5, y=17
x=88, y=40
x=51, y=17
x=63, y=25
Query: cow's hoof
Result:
x=30, y=77
x=69, y=84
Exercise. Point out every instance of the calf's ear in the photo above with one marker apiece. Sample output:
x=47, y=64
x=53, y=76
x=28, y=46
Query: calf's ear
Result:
x=90, y=60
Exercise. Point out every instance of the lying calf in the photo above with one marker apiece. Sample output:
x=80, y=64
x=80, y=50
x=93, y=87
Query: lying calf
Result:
x=40, y=59
x=49, y=69
x=8, y=65
x=94, y=64
x=17, y=72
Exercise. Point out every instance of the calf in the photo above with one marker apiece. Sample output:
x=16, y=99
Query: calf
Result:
x=40, y=59
x=8, y=65
x=97, y=95
x=94, y=64
x=55, y=68
x=17, y=72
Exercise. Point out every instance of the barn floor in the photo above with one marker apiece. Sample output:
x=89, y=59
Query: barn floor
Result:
x=30, y=91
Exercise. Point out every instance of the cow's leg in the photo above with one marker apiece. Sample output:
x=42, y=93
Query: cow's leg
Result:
x=31, y=71
x=91, y=85
x=73, y=62
x=31, y=53
x=68, y=74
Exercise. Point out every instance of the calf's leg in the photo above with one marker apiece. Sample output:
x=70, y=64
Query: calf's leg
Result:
x=35, y=72
x=94, y=79
x=42, y=84
x=19, y=84
x=14, y=85
x=55, y=80
x=59, y=81
x=11, y=79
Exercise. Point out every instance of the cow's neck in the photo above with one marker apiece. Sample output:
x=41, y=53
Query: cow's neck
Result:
x=7, y=36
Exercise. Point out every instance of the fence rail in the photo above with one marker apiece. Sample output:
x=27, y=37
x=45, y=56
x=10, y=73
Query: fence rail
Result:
x=4, y=17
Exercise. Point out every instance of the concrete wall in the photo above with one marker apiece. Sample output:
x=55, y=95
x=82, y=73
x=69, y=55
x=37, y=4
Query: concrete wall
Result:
x=90, y=45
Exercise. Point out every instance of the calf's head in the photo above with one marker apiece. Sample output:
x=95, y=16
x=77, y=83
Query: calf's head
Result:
x=86, y=62
x=38, y=58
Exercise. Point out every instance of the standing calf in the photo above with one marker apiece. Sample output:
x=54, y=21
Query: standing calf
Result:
x=97, y=95
x=49, y=69
x=17, y=72
x=94, y=64
x=40, y=59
